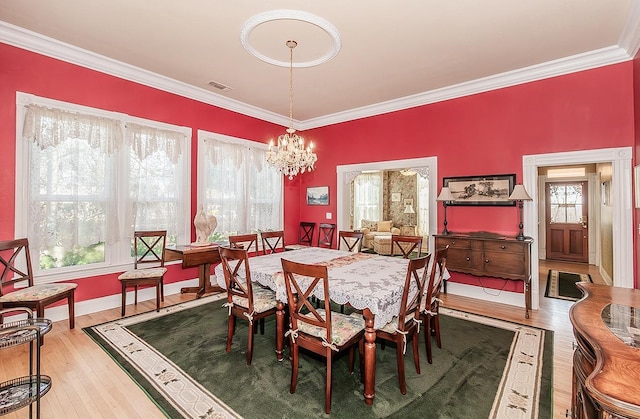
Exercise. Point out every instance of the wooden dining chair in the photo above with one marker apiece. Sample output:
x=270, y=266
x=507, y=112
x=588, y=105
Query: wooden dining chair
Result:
x=15, y=262
x=245, y=241
x=148, y=266
x=350, y=241
x=406, y=245
x=245, y=300
x=406, y=325
x=325, y=235
x=318, y=330
x=272, y=242
x=431, y=310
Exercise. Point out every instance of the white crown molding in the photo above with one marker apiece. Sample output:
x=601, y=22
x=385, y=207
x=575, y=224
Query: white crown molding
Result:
x=572, y=64
x=630, y=37
x=40, y=44
x=31, y=41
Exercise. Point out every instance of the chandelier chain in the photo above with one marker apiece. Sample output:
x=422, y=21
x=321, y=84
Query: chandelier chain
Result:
x=291, y=86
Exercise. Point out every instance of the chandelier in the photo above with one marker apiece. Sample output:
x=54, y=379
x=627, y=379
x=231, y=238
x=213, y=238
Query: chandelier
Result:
x=290, y=155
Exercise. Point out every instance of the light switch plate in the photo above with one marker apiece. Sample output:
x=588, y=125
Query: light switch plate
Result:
x=329, y=215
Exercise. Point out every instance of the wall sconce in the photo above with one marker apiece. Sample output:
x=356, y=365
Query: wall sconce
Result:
x=520, y=195
x=445, y=196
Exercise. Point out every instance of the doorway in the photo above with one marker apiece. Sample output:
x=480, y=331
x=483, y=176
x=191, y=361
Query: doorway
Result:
x=567, y=229
x=621, y=207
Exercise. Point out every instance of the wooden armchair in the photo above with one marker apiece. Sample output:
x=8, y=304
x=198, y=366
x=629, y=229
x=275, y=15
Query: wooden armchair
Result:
x=245, y=241
x=14, y=259
x=431, y=310
x=245, y=300
x=406, y=324
x=272, y=242
x=350, y=240
x=405, y=245
x=320, y=331
x=149, y=270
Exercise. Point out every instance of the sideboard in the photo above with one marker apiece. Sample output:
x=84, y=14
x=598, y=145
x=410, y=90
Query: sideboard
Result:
x=606, y=362
x=489, y=254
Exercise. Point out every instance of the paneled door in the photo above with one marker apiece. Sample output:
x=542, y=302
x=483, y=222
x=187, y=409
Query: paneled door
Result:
x=567, y=224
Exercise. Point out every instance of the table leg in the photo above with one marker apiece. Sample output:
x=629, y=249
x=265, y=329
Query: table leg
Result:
x=369, y=358
x=204, y=282
x=527, y=297
x=280, y=330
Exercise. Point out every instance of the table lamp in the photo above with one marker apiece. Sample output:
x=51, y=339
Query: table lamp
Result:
x=520, y=195
x=445, y=196
x=408, y=209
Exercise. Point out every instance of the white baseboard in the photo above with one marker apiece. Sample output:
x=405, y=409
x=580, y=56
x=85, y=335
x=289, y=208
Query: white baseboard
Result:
x=107, y=302
x=486, y=294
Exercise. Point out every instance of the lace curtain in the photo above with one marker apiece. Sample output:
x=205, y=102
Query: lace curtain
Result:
x=70, y=193
x=155, y=180
x=367, y=198
x=238, y=187
x=49, y=127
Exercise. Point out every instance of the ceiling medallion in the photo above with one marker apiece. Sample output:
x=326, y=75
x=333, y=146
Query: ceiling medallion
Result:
x=275, y=15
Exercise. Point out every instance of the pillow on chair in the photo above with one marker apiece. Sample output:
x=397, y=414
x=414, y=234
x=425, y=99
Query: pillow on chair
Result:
x=371, y=225
x=384, y=226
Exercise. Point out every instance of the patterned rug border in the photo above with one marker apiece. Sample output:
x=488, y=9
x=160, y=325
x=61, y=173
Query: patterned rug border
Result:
x=553, y=284
x=523, y=369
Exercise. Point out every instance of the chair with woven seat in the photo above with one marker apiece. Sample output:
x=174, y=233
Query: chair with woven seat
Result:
x=406, y=245
x=318, y=330
x=431, y=306
x=272, y=242
x=15, y=258
x=245, y=241
x=350, y=241
x=245, y=300
x=325, y=235
x=148, y=266
x=406, y=325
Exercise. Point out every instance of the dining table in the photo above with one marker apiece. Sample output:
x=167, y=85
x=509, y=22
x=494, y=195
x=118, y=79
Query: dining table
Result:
x=199, y=256
x=368, y=282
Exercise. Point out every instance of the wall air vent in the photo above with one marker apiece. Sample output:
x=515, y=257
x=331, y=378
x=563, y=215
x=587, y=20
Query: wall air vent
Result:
x=219, y=86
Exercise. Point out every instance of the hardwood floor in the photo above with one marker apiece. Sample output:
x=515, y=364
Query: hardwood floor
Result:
x=88, y=384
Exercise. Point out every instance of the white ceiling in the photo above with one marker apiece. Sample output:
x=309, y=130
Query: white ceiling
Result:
x=393, y=55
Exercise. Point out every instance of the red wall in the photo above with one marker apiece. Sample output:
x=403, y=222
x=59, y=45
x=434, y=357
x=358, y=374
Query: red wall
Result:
x=27, y=72
x=481, y=134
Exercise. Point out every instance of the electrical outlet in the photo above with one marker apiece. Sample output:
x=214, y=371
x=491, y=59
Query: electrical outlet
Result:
x=329, y=215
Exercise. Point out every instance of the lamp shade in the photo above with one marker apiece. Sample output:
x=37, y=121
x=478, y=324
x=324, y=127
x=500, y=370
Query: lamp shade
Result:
x=445, y=195
x=408, y=209
x=519, y=194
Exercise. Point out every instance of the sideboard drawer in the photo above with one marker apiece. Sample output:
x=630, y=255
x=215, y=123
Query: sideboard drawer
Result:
x=503, y=247
x=453, y=243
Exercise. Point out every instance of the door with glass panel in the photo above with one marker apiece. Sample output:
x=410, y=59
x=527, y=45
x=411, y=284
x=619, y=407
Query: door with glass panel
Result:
x=567, y=224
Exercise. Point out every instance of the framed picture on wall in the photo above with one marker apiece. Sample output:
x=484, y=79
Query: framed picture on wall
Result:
x=481, y=190
x=318, y=195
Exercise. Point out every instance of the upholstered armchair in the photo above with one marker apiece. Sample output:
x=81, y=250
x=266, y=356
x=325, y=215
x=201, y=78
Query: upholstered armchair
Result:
x=371, y=229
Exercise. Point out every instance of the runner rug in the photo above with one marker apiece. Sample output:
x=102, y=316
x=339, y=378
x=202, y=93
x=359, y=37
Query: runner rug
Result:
x=562, y=285
x=486, y=368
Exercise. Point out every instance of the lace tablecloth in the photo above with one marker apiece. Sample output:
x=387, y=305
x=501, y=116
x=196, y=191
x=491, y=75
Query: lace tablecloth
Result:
x=361, y=279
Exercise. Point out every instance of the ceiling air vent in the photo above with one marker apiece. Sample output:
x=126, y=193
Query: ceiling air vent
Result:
x=219, y=86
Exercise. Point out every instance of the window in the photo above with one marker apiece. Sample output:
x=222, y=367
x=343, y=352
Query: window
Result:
x=89, y=179
x=367, y=198
x=236, y=184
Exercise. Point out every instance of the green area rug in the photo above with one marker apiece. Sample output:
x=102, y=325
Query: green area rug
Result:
x=178, y=357
x=562, y=285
